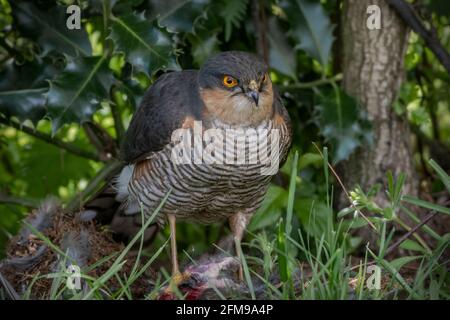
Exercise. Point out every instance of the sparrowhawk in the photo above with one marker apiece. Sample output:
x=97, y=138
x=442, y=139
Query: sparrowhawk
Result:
x=232, y=92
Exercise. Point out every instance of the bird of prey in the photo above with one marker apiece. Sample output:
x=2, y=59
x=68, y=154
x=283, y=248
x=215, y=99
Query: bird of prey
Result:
x=232, y=92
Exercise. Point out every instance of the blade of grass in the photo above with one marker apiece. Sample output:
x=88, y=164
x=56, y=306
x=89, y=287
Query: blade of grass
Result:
x=345, y=190
x=134, y=277
x=395, y=274
x=445, y=178
x=117, y=265
x=247, y=277
x=426, y=204
x=426, y=228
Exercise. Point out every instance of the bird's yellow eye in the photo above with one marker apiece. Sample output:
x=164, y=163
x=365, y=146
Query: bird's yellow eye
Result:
x=229, y=82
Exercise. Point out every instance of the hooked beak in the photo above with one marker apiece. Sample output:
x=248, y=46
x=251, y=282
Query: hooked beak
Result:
x=254, y=95
x=254, y=91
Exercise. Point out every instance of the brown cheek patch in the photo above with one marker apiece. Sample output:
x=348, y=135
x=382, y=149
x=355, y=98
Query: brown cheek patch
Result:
x=215, y=100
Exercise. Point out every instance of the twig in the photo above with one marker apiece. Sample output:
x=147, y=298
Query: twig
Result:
x=30, y=203
x=427, y=218
x=311, y=84
x=105, y=173
x=49, y=139
x=260, y=24
x=345, y=190
x=402, y=224
x=101, y=139
x=106, y=11
x=118, y=123
x=409, y=16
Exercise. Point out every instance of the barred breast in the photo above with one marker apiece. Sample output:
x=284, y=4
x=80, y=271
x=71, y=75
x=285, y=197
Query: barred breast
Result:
x=209, y=190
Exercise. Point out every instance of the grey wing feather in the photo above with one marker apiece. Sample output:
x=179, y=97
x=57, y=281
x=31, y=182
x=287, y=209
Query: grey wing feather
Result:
x=281, y=110
x=172, y=98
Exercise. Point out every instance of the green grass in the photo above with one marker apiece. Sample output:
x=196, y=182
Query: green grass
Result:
x=309, y=265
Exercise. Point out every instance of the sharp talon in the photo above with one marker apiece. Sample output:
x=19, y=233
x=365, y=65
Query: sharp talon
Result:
x=176, y=280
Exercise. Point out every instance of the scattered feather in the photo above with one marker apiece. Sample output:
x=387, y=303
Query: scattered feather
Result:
x=41, y=220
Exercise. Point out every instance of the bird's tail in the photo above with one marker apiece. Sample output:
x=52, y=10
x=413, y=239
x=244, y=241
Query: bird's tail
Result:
x=108, y=207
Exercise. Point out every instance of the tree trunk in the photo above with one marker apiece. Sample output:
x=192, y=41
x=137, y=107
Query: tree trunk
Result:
x=372, y=73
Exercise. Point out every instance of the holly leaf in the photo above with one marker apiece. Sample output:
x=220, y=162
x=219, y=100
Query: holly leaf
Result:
x=311, y=28
x=134, y=91
x=342, y=124
x=76, y=93
x=147, y=47
x=178, y=15
x=281, y=55
x=204, y=46
x=24, y=104
x=22, y=89
x=49, y=29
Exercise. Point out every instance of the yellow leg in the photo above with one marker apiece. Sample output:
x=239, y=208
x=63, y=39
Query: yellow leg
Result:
x=237, y=244
x=238, y=223
x=173, y=245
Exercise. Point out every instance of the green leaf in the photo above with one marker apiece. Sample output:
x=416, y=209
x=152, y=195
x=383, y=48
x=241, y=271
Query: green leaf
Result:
x=426, y=204
x=178, y=15
x=119, y=6
x=29, y=75
x=76, y=93
x=291, y=197
x=22, y=89
x=58, y=169
x=203, y=46
x=399, y=187
x=412, y=245
x=398, y=263
x=24, y=104
x=49, y=29
x=345, y=212
x=413, y=216
x=342, y=123
x=281, y=55
x=311, y=28
x=439, y=7
x=313, y=215
x=271, y=208
x=233, y=12
x=441, y=173
x=308, y=159
x=5, y=15
x=134, y=92
x=396, y=275
x=282, y=259
x=146, y=46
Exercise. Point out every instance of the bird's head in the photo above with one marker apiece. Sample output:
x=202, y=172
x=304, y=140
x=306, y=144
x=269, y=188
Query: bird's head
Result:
x=236, y=88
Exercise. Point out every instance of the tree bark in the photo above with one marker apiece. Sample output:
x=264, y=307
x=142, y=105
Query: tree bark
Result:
x=372, y=73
